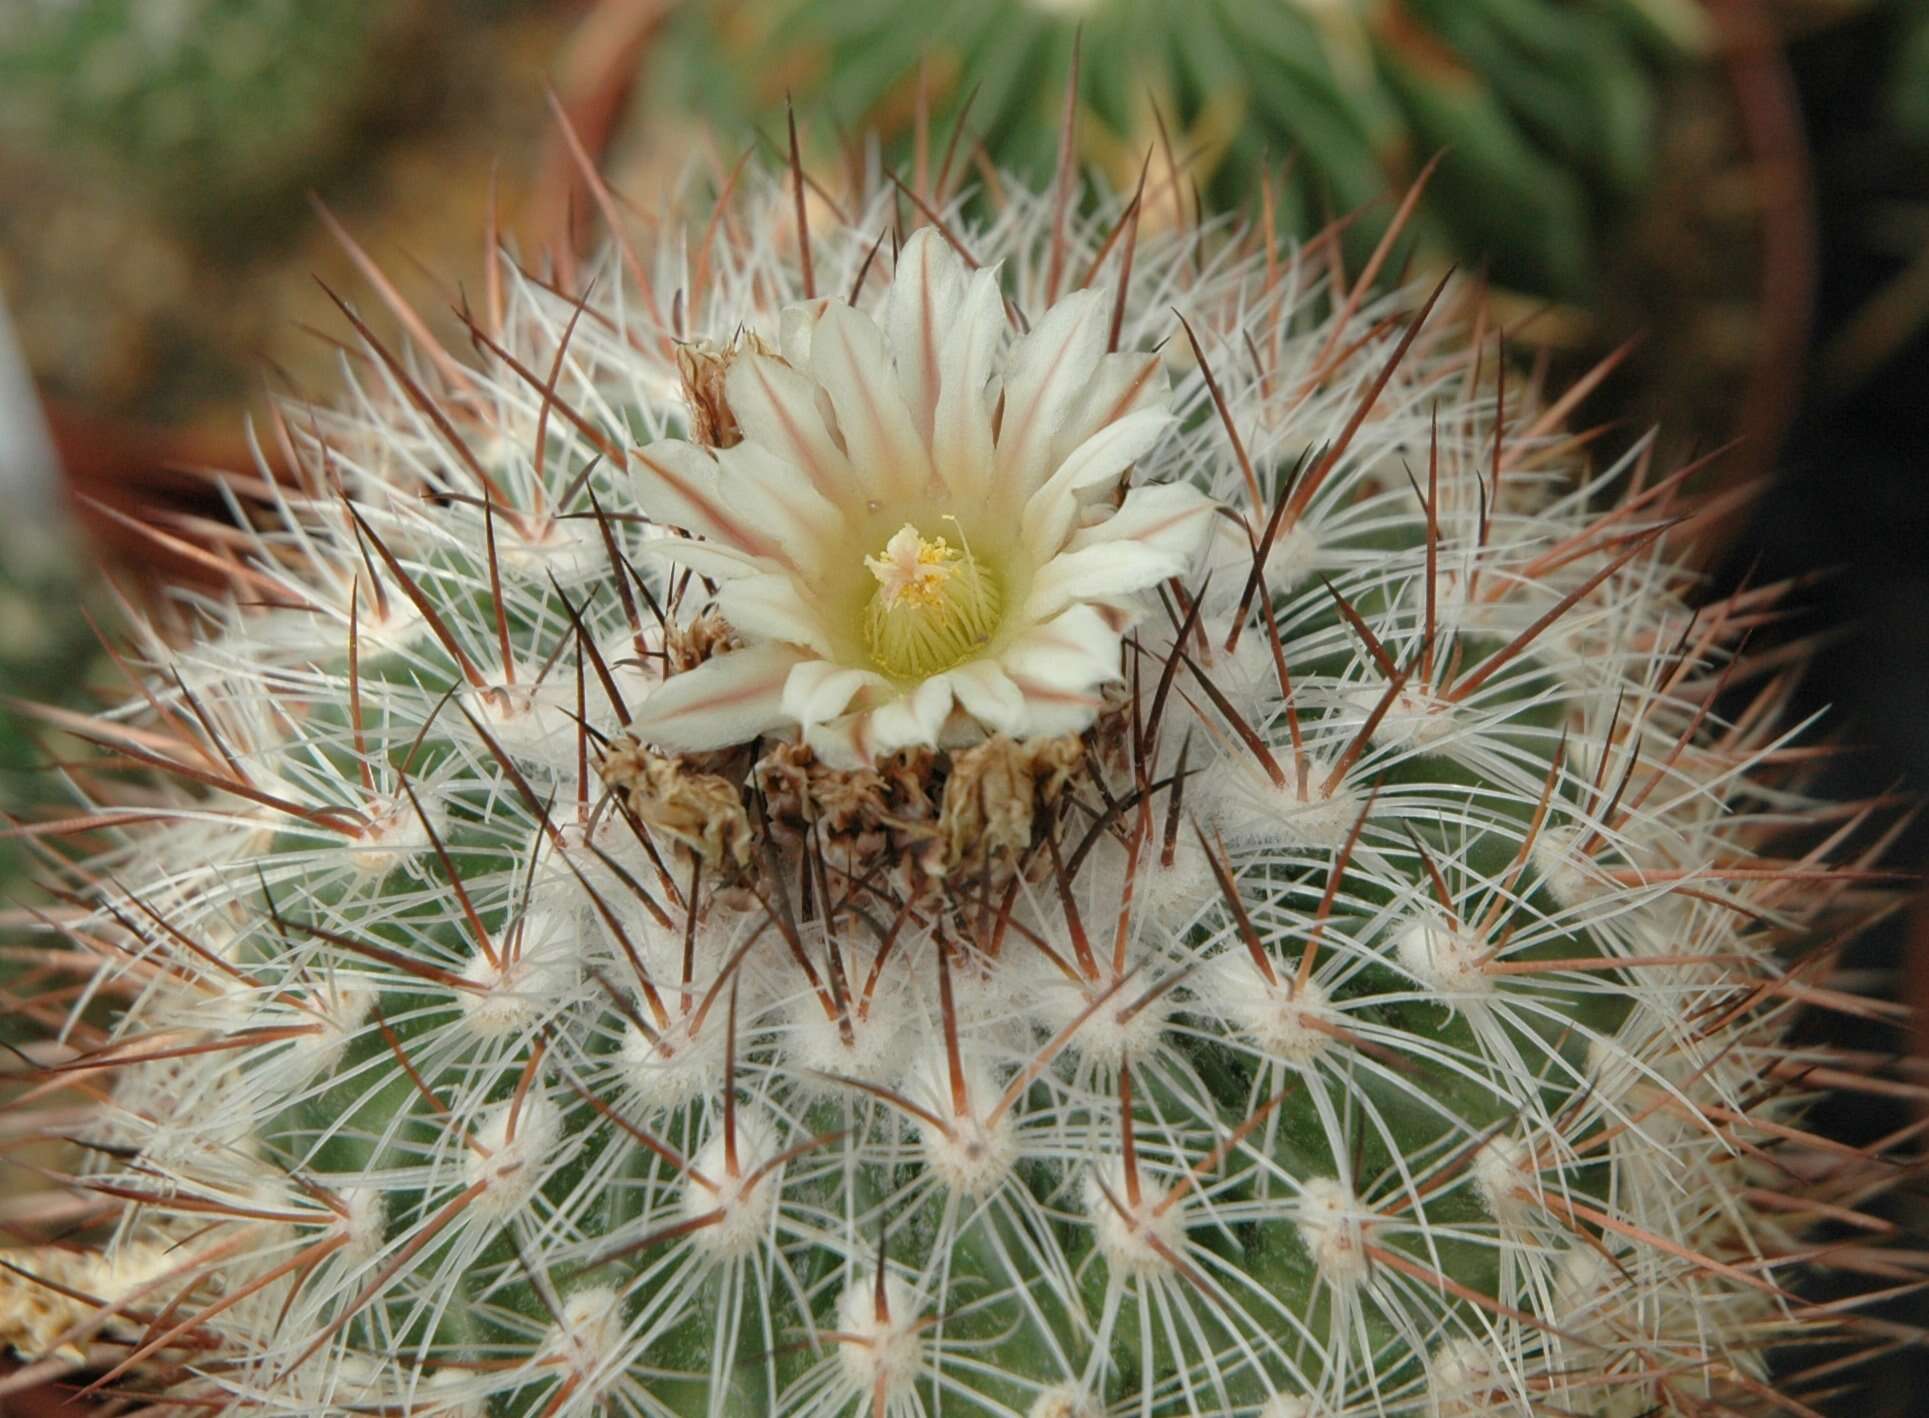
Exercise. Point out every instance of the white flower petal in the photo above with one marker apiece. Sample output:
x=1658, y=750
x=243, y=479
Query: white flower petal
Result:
x=1155, y=534
x=1096, y=572
x=776, y=407
x=677, y=485
x=1171, y=517
x=712, y=559
x=912, y=719
x=1124, y=384
x=1049, y=370
x=927, y=294
x=820, y=690
x=986, y=693
x=961, y=450
x=1051, y=711
x=774, y=496
x=842, y=743
x=796, y=327
x=728, y=699
x=772, y=606
x=1076, y=649
x=850, y=363
x=1058, y=667
x=1048, y=516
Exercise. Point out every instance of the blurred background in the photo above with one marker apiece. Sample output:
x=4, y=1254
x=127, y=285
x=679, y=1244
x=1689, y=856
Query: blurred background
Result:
x=1726, y=199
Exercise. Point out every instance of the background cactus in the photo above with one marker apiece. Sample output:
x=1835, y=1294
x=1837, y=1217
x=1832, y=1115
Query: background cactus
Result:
x=1376, y=1004
x=1549, y=111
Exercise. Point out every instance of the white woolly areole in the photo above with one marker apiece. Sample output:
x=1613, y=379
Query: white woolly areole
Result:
x=1450, y=962
x=743, y=1201
x=1584, y=1288
x=589, y=1334
x=682, y=1063
x=1120, y=1028
x=569, y=864
x=1565, y=873
x=534, y=724
x=1293, y=556
x=1173, y=896
x=882, y=1354
x=1135, y=1240
x=1417, y=715
x=1464, y=1380
x=363, y=1224
x=394, y=833
x=1248, y=805
x=1502, y=1169
x=1288, y=1405
x=438, y=1391
x=1278, y=1018
x=967, y=1156
x=511, y=1167
x=570, y=548
x=1065, y=1401
x=342, y=1008
x=1331, y=1227
x=871, y=1045
x=513, y=994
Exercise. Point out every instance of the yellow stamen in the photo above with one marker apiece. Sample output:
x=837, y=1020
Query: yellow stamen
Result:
x=935, y=606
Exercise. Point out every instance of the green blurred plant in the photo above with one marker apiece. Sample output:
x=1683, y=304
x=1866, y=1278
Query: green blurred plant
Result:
x=201, y=104
x=1547, y=111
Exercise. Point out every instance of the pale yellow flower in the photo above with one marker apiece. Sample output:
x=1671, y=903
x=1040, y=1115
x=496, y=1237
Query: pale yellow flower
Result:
x=918, y=537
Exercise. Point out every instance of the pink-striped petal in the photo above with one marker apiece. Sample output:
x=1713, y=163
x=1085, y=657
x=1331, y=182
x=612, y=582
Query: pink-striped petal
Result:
x=1123, y=384
x=712, y=559
x=961, y=446
x=772, y=495
x=926, y=296
x=913, y=719
x=777, y=408
x=850, y=363
x=1049, y=371
x=1048, y=516
x=728, y=699
x=985, y=692
x=773, y=606
x=1160, y=538
x=677, y=485
x=1170, y=517
x=1074, y=650
x=820, y=690
x=843, y=742
x=797, y=327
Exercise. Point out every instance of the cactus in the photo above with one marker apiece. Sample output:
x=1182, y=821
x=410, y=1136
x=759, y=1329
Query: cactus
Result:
x=1548, y=111
x=875, y=809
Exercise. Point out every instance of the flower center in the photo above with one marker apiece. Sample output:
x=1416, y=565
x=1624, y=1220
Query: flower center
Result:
x=935, y=605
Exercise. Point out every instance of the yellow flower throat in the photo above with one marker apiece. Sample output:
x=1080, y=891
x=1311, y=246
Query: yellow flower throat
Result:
x=935, y=606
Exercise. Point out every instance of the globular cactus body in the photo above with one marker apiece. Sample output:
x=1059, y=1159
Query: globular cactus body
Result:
x=1022, y=818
